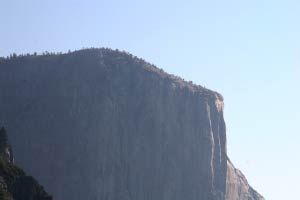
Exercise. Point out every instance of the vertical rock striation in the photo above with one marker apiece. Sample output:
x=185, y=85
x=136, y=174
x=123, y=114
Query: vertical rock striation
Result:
x=100, y=124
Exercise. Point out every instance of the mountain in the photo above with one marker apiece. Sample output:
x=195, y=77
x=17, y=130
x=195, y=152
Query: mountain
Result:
x=98, y=124
x=14, y=183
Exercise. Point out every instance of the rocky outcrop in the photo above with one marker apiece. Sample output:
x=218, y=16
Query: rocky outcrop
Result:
x=237, y=186
x=5, y=149
x=14, y=183
x=102, y=124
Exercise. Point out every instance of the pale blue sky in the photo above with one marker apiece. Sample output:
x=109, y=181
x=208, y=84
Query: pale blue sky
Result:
x=247, y=50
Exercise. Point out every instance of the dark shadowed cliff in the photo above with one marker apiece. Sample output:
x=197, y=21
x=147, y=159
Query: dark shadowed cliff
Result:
x=102, y=124
x=14, y=183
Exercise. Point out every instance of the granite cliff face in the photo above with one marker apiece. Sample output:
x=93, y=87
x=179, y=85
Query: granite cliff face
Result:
x=100, y=124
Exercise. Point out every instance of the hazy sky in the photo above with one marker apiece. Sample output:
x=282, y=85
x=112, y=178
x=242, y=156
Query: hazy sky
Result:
x=247, y=50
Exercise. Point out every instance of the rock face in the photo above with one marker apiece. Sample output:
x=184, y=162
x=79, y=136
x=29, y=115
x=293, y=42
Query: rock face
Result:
x=98, y=124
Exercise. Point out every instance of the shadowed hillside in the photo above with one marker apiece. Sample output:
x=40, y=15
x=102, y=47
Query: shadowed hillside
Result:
x=14, y=183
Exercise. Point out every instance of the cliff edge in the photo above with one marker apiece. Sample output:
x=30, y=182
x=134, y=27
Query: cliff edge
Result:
x=103, y=124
